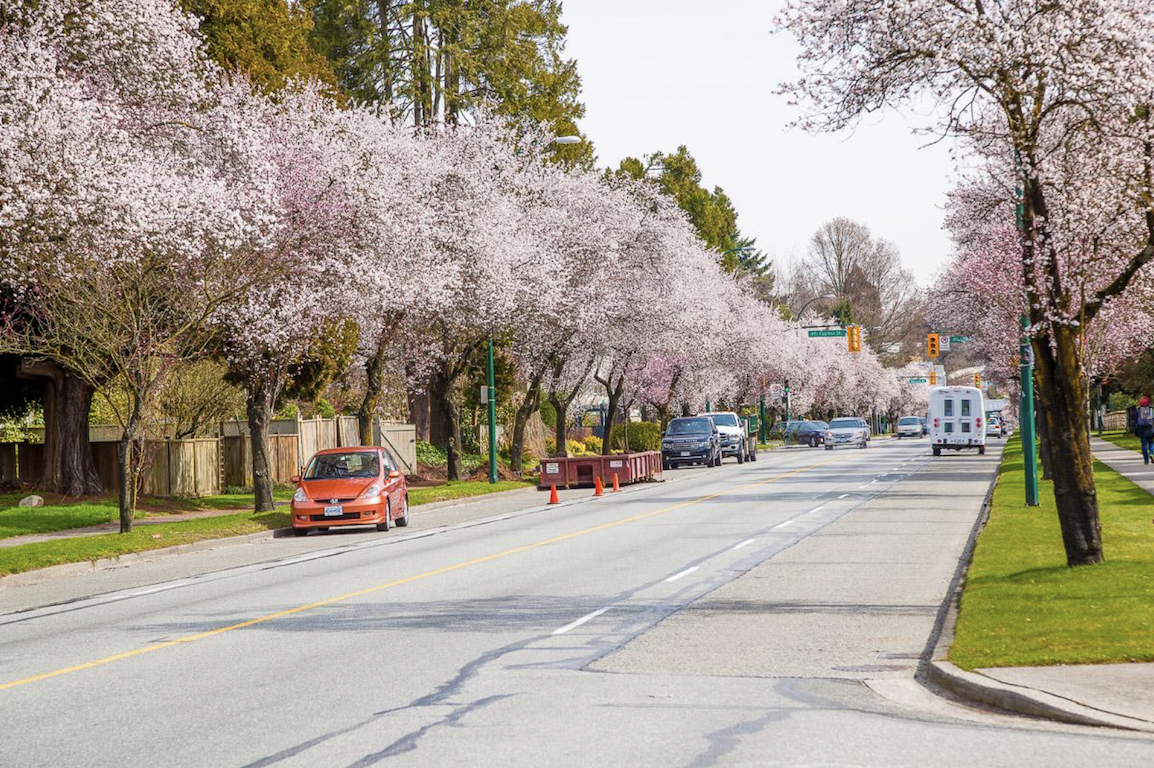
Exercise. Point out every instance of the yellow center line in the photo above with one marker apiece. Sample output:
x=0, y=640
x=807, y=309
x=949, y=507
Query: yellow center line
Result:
x=398, y=582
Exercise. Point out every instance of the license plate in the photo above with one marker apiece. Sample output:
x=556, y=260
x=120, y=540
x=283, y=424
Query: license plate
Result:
x=685, y=453
x=334, y=511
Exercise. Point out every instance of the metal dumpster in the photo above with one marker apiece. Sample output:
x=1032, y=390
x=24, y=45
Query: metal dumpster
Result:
x=576, y=471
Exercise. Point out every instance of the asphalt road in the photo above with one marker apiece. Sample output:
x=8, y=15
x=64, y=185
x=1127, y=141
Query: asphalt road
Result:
x=765, y=614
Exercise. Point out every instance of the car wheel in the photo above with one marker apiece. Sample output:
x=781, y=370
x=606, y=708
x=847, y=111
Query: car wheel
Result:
x=300, y=531
x=323, y=528
x=740, y=455
x=403, y=520
x=981, y=450
x=829, y=447
x=937, y=451
x=386, y=524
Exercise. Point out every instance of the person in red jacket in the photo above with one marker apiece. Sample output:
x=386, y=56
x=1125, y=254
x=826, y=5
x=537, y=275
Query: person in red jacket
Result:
x=1144, y=428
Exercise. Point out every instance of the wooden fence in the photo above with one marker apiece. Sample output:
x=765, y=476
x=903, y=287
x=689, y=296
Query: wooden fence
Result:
x=206, y=465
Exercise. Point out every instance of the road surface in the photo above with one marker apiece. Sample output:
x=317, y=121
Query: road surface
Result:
x=771, y=613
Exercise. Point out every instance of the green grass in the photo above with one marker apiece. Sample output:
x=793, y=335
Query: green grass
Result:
x=21, y=521
x=28, y=557
x=1123, y=439
x=1022, y=606
x=463, y=489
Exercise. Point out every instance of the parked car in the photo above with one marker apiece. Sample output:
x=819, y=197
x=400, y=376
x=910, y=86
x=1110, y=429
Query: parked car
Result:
x=925, y=425
x=909, y=426
x=782, y=428
x=735, y=439
x=691, y=440
x=811, y=433
x=847, y=430
x=350, y=486
x=956, y=419
x=994, y=426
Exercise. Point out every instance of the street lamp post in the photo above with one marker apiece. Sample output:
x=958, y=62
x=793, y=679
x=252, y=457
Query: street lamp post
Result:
x=1026, y=415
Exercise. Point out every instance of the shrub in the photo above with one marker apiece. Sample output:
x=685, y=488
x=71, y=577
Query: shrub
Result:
x=593, y=444
x=550, y=446
x=548, y=414
x=643, y=436
x=325, y=409
x=430, y=455
x=575, y=447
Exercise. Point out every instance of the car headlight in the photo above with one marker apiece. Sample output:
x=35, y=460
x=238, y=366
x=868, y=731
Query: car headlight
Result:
x=371, y=490
x=300, y=495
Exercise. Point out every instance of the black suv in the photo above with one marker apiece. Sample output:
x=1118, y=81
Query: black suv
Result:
x=691, y=440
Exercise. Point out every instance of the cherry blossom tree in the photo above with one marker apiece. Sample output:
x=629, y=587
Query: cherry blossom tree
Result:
x=1053, y=95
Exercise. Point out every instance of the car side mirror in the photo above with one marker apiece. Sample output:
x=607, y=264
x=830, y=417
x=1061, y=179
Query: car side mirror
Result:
x=394, y=474
x=295, y=478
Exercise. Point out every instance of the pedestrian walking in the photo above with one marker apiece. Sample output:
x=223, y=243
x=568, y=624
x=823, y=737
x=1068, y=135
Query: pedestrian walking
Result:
x=1144, y=428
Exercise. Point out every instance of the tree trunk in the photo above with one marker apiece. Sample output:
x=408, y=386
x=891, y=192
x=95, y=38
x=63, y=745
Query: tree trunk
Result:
x=69, y=467
x=260, y=411
x=417, y=395
x=452, y=417
x=127, y=473
x=614, y=392
x=560, y=431
x=438, y=421
x=374, y=386
x=1043, y=433
x=529, y=405
x=1060, y=381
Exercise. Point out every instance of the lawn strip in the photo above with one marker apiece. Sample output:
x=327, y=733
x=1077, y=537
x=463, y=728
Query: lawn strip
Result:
x=27, y=557
x=463, y=489
x=1022, y=606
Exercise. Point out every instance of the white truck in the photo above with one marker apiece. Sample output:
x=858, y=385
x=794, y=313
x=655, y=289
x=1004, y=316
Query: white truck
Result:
x=957, y=419
x=735, y=438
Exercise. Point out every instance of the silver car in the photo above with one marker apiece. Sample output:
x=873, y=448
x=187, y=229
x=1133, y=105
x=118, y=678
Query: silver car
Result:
x=847, y=431
x=909, y=426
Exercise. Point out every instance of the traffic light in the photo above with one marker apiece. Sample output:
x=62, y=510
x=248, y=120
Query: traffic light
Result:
x=933, y=378
x=931, y=345
x=978, y=380
x=853, y=336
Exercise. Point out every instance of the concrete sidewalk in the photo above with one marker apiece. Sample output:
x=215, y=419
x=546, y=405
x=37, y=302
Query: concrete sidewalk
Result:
x=1111, y=695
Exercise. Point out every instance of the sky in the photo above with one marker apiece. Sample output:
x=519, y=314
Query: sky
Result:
x=660, y=73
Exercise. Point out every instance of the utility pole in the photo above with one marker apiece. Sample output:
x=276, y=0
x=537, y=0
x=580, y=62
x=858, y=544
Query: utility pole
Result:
x=492, y=417
x=761, y=420
x=1026, y=415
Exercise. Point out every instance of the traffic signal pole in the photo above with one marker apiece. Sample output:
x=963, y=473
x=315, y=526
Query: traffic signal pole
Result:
x=1026, y=415
x=492, y=418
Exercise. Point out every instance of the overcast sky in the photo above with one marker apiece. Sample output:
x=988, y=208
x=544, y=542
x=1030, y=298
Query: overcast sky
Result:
x=659, y=73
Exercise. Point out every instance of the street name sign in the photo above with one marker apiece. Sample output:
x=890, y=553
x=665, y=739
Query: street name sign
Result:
x=961, y=339
x=919, y=381
x=826, y=332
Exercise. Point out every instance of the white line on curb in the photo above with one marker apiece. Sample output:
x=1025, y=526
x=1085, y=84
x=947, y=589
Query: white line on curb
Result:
x=816, y=509
x=582, y=620
x=745, y=543
x=843, y=496
x=154, y=590
x=782, y=525
x=686, y=572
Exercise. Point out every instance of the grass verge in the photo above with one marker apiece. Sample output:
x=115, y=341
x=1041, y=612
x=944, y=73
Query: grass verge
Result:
x=28, y=557
x=1022, y=606
x=463, y=489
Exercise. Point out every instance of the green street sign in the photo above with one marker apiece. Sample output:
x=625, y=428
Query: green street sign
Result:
x=961, y=339
x=919, y=381
x=827, y=332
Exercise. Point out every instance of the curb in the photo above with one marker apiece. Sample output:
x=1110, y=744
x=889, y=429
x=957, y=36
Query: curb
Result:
x=940, y=675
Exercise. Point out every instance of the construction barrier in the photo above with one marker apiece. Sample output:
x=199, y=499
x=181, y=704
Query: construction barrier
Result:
x=626, y=468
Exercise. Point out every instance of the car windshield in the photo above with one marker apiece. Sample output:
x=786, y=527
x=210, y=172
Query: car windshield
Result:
x=333, y=466
x=689, y=426
x=910, y=421
x=817, y=425
x=845, y=424
x=725, y=420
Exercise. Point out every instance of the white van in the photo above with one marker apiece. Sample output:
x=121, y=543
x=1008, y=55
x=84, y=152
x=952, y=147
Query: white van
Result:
x=957, y=416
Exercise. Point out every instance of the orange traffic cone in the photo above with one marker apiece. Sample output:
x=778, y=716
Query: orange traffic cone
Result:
x=553, y=499
x=598, y=489
x=616, y=485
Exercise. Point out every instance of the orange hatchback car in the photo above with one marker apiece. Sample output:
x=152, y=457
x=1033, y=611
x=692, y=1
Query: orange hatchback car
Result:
x=350, y=486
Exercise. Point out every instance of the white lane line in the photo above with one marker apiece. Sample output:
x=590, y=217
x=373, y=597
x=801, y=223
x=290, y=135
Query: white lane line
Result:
x=154, y=590
x=686, y=572
x=305, y=558
x=782, y=525
x=582, y=620
x=816, y=509
x=871, y=482
x=745, y=543
x=843, y=496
